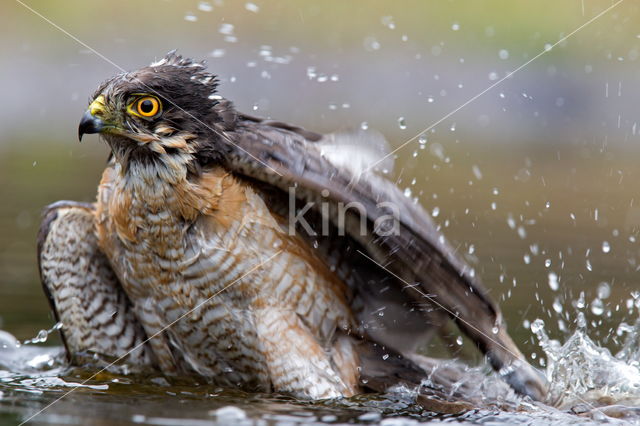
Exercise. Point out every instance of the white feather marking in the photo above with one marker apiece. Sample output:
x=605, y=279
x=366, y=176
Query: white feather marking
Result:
x=159, y=63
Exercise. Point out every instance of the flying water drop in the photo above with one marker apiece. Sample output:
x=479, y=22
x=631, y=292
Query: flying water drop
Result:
x=553, y=281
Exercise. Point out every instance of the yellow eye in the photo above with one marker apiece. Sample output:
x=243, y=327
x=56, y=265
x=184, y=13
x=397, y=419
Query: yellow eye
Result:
x=146, y=106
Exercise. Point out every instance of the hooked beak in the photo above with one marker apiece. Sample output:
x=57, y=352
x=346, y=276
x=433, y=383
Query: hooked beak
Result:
x=89, y=124
x=91, y=121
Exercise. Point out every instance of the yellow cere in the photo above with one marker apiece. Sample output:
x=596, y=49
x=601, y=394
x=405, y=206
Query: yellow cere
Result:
x=97, y=106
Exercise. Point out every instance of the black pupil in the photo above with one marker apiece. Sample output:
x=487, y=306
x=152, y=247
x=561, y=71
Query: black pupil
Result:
x=146, y=106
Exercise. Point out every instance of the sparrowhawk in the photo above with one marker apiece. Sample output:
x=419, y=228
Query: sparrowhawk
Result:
x=252, y=252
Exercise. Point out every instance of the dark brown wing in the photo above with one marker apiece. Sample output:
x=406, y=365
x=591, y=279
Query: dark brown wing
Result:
x=417, y=255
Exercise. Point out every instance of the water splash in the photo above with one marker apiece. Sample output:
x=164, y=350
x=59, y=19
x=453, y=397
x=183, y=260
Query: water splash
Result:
x=42, y=335
x=630, y=352
x=580, y=372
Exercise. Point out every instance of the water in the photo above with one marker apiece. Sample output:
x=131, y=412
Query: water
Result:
x=582, y=373
x=587, y=384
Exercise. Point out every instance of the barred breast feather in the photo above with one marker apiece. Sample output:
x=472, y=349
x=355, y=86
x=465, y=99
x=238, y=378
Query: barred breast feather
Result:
x=283, y=326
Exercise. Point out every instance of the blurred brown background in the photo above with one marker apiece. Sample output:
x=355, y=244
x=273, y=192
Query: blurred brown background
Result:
x=535, y=179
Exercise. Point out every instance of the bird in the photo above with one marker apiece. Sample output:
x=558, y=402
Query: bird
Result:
x=254, y=253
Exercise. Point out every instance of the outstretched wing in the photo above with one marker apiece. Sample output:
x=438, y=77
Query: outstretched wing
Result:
x=415, y=256
x=84, y=294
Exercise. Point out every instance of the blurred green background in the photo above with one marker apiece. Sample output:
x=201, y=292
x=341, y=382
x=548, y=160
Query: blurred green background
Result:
x=535, y=179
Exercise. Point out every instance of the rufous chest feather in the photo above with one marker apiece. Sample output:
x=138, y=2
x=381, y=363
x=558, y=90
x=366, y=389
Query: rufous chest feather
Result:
x=145, y=215
x=197, y=236
x=213, y=243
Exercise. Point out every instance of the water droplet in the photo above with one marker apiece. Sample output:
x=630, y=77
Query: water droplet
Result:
x=503, y=54
x=547, y=262
x=537, y=326
x=190, y=17
x=604, y=290
x=495, y=330
x=205, y=6
x=402, y=123
x=476, y=172
x=455, y=26
x=226, y=29
x=252, y=7
x=606, y=248
x=364, y=125
x=387, y=21
x=41, y=337
x=562, y=326
x=218, y=53
x=407, y=192
x=385, y=357
x=522, y=233
x=527, y=259
x=597, y=307
x=557, y=306
x=435, y=212
x=459, y=340
x=553, y=281
x=588, y=265
x=371, y=44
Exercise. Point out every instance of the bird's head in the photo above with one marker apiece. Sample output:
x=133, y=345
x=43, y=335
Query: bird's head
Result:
x=161, y=111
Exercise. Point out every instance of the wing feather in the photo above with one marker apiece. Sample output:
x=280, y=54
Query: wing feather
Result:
x=83, y=292
x=417, y=255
